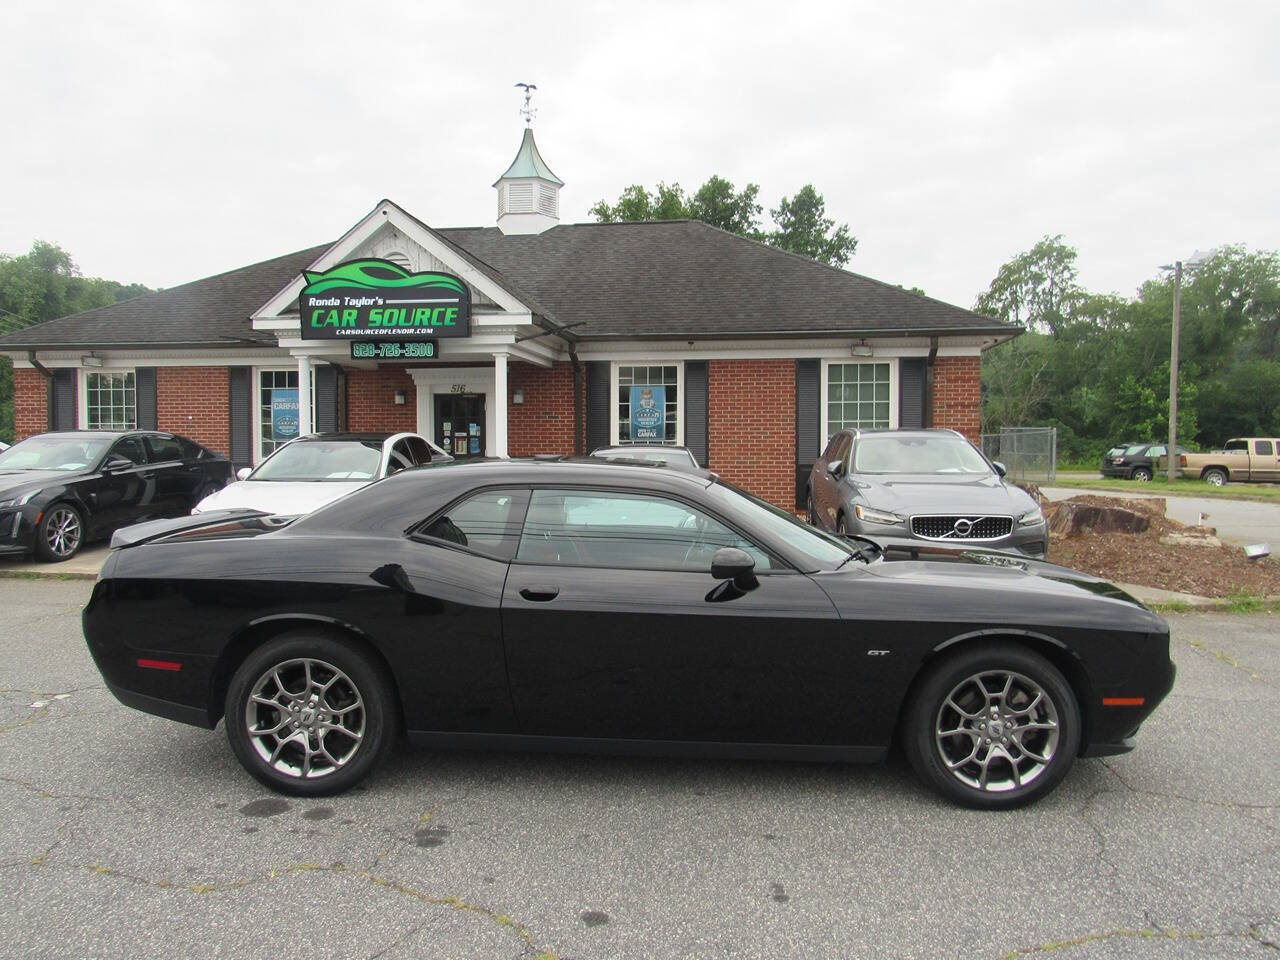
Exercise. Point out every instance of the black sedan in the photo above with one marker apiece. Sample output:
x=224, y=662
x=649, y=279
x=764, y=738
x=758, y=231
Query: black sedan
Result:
x=59, y=491
x=583, y=605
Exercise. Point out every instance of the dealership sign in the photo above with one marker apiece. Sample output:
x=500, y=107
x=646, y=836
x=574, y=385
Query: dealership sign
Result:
x=375, y=299
x=284, y=414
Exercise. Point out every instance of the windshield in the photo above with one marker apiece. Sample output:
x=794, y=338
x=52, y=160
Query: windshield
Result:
x=937, y=454
x=321, y=460
x=54, y=452
x=823, y=549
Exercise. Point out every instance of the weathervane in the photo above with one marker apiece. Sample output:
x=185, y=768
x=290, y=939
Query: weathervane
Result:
x=528, y=111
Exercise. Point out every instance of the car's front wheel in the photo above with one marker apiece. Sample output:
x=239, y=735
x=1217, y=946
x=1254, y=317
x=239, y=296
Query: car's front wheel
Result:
x=811, y=510
x=60, y=533
x=842, y=526
x=993, y=726
x=310, y=714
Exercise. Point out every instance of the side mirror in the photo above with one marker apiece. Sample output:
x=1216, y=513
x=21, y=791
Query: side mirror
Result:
x=243, y=473
x=117, y=464
x=835, y=468
x=1001, y=469
x=730, y=563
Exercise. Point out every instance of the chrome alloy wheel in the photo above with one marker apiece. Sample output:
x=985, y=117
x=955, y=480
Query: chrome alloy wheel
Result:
x=305, y=718
x=997, y=731
x=63, y=532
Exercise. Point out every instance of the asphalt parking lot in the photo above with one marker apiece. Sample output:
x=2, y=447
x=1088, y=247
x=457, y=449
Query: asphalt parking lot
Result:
x=124, y=835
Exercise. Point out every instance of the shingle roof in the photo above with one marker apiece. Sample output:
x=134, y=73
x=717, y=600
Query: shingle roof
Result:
x=677, y=278
x=205, y=312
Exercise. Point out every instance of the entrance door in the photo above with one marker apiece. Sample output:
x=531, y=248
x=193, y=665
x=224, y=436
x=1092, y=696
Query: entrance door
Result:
x=460, y=424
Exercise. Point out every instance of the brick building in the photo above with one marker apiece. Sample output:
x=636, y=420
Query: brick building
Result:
x=748, y=355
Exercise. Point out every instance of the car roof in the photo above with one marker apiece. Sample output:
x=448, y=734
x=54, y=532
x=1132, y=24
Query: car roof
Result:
x=72, y=434
x=625, y=447
x=909, y=433
x=355, y=437
x=540, y=469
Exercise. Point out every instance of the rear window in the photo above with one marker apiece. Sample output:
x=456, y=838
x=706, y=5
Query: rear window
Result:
x=164, y=449
x=1263, y=448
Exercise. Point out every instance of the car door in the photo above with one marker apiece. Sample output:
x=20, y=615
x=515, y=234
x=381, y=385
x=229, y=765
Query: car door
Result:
x=613, y=628
x=826, y=485
x=177, y=480
x=1263, y=464
x=126, y=493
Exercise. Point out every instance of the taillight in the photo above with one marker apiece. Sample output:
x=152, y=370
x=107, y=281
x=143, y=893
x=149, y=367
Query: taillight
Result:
x=1182, y=460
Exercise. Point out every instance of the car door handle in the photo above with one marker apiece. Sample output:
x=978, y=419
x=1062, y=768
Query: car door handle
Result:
x=539, y=592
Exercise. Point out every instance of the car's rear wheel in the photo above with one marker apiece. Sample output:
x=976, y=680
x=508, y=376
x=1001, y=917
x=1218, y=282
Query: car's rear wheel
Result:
x=1215, y=477
x=60, y=534
x=993, y=726
x=1142, y=474
x=310, y=714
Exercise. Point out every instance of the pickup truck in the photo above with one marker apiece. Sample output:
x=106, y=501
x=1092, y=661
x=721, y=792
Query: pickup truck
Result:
x=1240, y=459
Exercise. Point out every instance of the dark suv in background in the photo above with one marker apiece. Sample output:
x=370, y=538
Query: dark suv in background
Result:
x=1135, y=461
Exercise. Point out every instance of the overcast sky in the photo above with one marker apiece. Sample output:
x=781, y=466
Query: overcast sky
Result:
x=162, y=142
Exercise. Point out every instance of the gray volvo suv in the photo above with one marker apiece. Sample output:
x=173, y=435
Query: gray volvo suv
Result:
x=929, y=485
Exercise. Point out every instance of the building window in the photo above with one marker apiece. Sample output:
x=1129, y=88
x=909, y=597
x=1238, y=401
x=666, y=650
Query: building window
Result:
x=109, y=401
x=858, y=396
x=654, y=417
x=275, y=427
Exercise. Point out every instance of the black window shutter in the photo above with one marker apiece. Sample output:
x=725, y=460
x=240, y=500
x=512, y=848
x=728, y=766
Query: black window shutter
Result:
x=695, y=409
x=911, y=393
x=64, y=399
x=144, y=397
x=326, y=399
x=241, y=403
x=808, y=422
x=599, y=404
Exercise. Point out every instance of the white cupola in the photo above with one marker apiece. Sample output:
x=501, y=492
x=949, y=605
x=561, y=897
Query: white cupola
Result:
x=528, y=193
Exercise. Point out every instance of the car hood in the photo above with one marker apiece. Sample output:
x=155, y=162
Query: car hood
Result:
x=992, y=586
x=20, y=481
x=280, y=497
x=942, y=493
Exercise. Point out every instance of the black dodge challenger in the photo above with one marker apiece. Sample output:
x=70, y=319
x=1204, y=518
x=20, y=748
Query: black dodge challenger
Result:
x=592, y=606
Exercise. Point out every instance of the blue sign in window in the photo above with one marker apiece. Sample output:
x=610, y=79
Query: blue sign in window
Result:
x=284, y=414
x=649, y=413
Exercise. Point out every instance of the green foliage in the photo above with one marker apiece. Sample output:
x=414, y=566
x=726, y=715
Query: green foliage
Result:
x=1097, y=366
x=44, y=284
x=804, y=228
x=800, y=222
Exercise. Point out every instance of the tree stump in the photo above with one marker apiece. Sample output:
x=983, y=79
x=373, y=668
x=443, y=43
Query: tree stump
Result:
x=1071, y=518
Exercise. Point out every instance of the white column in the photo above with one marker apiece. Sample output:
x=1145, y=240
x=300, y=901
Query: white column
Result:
x=500, y=398
x=304, y=396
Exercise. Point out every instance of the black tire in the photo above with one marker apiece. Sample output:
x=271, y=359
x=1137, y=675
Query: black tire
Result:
x=812, y=510
x=842, y=527
x=378, y=712
x=930, y=707
x=1141, y=474
x=1215, y=477
x=52, y=543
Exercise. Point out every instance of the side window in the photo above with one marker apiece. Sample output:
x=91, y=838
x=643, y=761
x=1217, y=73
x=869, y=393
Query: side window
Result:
x=1155, y=452
x=829, y=454
x=486, y=522
x=164, y=449
x=842, y=451
x=1263, y=448
x=624, y=531
x=1240, y=445
x=130, y=448
x=400, y=457
x=419, y=450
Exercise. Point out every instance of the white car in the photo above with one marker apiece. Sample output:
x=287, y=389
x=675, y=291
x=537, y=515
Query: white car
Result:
x=307, y=473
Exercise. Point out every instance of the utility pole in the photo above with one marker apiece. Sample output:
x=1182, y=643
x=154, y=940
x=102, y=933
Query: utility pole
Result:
x=1173, y=371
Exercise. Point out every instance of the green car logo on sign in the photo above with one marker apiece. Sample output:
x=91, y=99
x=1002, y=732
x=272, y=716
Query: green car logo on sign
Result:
x=377, y=299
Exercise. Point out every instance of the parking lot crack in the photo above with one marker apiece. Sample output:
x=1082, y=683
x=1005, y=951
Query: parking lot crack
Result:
x=1101, y=936
x=1224, y=657
x=1221, y=804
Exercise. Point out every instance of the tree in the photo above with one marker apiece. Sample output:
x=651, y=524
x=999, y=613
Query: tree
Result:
x=40, y=285
x=716, y=203
x=1036, y=289
x=804, y=228
x=801, y=224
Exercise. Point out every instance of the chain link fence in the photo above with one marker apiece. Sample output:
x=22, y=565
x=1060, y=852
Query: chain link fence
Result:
x=1030, y=454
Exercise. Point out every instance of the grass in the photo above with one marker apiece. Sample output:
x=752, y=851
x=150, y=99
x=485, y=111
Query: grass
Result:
x=1160, y=486
x=1241, y=602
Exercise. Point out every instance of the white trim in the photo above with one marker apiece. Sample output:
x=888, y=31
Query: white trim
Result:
x=613, y=394
x=132, y=359
x=387, y=212
x=82, y=393
x=430, y=381
x=823, y=386
x=642, y=351
x=256, y=397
